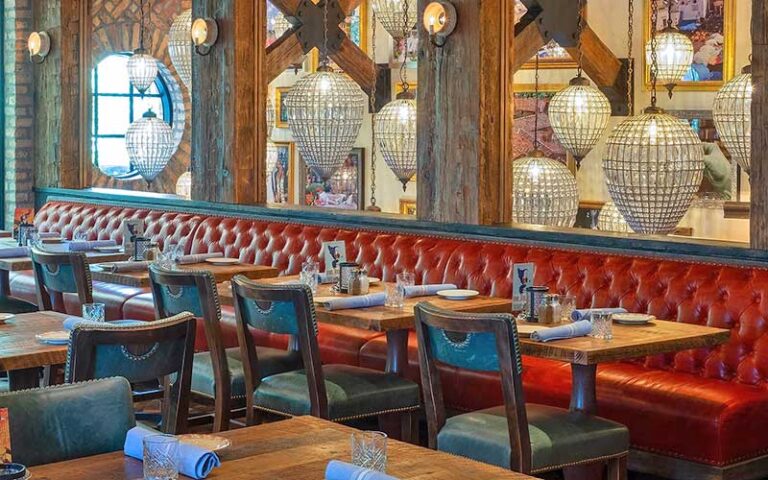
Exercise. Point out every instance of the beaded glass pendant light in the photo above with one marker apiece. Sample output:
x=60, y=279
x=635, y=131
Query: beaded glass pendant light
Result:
x=184, y=185
x=325, y=111
x=653, y=165
x=673, y=51
x=732, y=112
x=150, y=145
x=142, y=67
x=394, y=13
x=579, y=114
x=611, y=219
x=544, y=192
x=180, y=46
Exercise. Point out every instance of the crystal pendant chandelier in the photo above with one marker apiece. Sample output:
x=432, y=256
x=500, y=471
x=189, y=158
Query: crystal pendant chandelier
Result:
x=180, y=46
x=142, y=67
x=611, y=219
x=732, y=112
x=579, y=114
x=673, y=51
x=325, y=111
x=149, y=142
x=394, y=16
x=654, y=165
x=544, y=192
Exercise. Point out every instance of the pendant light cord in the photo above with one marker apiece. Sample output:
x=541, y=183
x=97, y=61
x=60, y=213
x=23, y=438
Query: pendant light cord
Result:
x=579, y=32
x=372, y=104
x=654, y=55
x=630, y=60
x=406, y=34
x=536, y=106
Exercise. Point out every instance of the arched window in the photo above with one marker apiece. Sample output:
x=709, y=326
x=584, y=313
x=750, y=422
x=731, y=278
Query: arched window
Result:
x=116, y=104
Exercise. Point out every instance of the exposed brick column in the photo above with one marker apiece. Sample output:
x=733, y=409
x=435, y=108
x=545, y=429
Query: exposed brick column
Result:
x=19, y=145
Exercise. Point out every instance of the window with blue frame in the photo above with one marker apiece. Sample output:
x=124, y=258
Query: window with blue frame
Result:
x=116, y=104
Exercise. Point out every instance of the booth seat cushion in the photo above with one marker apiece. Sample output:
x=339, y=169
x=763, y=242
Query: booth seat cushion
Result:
x=111, y=295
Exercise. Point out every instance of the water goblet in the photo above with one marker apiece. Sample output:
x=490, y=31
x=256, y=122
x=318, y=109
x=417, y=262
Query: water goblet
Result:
x=161, y=457
x=310, y=271
x=369, y=450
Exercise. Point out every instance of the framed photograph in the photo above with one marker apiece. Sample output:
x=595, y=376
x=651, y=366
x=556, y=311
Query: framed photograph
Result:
x=281, y=114
x=333, y=254
x=523, y=278
x=525, y=123
x=408, y=206
x=710, y=26
x=281, y=180
x=345, y=189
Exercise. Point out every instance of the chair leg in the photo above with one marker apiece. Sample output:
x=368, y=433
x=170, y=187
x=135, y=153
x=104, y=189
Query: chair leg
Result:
x=409, y=427
x=617, y=468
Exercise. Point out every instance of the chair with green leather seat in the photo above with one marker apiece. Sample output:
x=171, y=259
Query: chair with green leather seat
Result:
x=527, y=438
x=64, y=422
x=334, y=392
x=217, y=375
x=152, y=351
x=60, y=273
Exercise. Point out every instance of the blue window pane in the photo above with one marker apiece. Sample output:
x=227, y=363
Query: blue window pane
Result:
x=113, y=115
x=113, y=157
x=113, y=75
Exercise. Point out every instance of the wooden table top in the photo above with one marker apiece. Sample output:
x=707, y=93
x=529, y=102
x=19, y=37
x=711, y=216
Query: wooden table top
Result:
x=25, y=263
x=18, y=347
x=628, y=341
x=295, y=449
x=222, y=273
x=381, y=318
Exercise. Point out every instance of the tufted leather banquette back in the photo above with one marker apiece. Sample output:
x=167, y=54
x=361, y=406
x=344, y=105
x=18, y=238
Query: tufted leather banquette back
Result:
x=720, y=296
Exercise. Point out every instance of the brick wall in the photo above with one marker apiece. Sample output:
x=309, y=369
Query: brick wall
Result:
x=18, y=96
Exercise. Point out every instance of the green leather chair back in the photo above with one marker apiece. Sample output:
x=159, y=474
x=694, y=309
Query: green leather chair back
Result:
x=276, y=308
x=68, y=421
x=60, y=273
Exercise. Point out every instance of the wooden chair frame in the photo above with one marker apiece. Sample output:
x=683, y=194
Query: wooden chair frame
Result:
x=48, y=299
x=85, y=338
x=205, y=284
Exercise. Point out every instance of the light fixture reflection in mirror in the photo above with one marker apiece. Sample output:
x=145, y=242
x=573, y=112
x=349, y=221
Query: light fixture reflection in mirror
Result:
x=440, y=21
x=39, y=46
x=204, y=33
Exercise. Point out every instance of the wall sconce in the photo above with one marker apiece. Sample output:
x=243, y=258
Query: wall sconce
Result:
x=205, y=32
x=39, y=46
x=440, y=21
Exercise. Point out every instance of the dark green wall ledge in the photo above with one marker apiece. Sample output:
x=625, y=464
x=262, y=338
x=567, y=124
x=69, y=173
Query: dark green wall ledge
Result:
x=656, y=246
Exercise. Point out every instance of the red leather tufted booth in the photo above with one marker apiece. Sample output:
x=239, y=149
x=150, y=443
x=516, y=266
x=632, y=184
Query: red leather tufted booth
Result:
x=705, y=406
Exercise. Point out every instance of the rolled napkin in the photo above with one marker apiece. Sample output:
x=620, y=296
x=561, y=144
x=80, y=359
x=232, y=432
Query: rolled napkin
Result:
x=70, y=323
x=89, y=245
x=572, y=330
x=194, y=462
x=14, y=252
x=42, y=235
x=360, y=301
x=586, y=313
x=197, y=258
x=337, y=470
x=117, y=267
x=427, y=290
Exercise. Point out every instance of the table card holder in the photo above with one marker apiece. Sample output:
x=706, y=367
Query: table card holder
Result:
x=346, y=269
x=140, y=246
x=333, y=254
x=131, y=229
x=522, y=278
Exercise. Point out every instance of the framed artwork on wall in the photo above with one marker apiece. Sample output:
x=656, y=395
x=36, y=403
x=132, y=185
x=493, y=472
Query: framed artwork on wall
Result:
x=281, y=114
x=710, y=26
x=345, y=189
x=408, y=206
x=525, y=123
x=281, y=180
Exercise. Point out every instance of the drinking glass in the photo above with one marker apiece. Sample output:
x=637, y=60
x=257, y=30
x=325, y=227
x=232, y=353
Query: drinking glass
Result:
x=80, y=236
x=568, y=305
x=602, y=325
x=369, y=450
x=93, y=312
x=394, y=294
x=161, y=457
x=172, y=251
x=310, y=271
x=405, y=279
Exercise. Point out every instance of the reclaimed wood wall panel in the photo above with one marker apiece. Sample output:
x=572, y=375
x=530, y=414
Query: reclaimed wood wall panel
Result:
x=759, y=171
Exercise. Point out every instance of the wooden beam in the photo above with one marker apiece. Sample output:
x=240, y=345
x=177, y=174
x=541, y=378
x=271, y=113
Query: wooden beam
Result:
x=282, y=53
x=460, y=144
x=507, y=113
x=356, y=64
x=599, y=62
x=229, y=105
x=287, y=7
x=528, y=41
x=349, y=6
x=759, y=167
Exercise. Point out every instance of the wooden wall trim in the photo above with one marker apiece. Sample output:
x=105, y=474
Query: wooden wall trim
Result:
x=759, y=168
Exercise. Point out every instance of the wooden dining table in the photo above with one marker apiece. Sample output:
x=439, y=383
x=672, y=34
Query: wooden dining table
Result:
x=295, y=449
x=222, y=273
x=394, y=322
x=22, y=355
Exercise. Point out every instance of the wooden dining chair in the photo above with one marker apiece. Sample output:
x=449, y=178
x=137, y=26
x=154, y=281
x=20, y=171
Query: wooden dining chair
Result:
x=60, y=273
x=217, y=375
x=333, y=392
x=144, y=353
x=526, y=438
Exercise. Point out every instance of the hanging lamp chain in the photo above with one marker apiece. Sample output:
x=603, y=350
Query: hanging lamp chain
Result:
x=406, y=34
x=579, y=33
x=669, y=13
x=324, y=61
x=654, y=53
x=142, y=6
x=372, y=100
x=536, y=107
x=630, y=60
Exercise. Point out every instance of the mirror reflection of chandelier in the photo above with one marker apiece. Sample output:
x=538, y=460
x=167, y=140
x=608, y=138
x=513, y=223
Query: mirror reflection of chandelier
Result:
x=344, y=179
x=672, y=49
x=394, y=16
x=180, y=46
x=732, y=113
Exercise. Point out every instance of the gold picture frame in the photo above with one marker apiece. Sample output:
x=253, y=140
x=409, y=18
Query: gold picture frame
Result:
x=408, y=206
x=728, y=15
x=412, y=87
x=289, y=180
x=281, y=121
x=363, y=15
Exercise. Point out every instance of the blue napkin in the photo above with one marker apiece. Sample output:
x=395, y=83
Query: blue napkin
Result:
x=48, y=235
x=194, y=462
x=70, y=323
x=14, y=252
x=572, y=330
x=197, y=258
x=325, y=278
x=586, y=313
x=427, y=290
x=87, y=246
x=337, y=470
x=360, y=301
